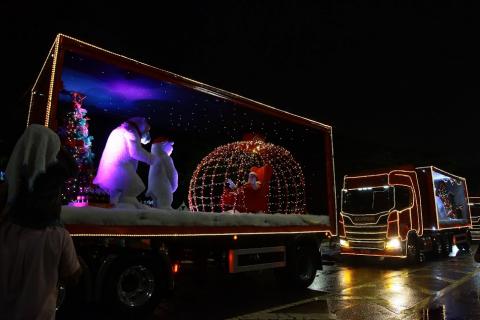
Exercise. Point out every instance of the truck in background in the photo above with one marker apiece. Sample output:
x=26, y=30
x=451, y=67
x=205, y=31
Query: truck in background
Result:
x=405, y=213
x=474, y=203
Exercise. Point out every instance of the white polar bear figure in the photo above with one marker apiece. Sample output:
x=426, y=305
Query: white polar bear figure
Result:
x=162, y=177
x=117, y=172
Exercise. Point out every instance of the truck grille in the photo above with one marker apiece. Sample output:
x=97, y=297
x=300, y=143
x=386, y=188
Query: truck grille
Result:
x=366, y=236
x=380, y=245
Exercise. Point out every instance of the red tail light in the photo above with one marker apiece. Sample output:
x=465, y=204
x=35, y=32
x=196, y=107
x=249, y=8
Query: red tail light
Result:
x=176, y=267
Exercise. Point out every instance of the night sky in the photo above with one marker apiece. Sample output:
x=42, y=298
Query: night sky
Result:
x=398, y=81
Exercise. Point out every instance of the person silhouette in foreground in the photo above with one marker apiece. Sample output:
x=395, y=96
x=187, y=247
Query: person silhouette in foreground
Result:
x=35, y=250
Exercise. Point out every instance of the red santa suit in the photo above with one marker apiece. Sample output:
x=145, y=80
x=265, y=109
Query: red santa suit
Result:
x=253, y=195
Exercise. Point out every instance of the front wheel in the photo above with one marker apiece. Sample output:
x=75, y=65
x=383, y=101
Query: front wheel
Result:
x=414, y=256
x=437, y=248
x=446, y=246
x=466, y=244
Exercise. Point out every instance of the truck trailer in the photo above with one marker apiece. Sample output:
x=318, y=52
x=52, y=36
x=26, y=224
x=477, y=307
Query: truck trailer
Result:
x=404, y=213
x=130, y=254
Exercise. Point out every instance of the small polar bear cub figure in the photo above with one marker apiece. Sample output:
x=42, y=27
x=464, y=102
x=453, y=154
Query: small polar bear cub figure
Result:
x=162, y=176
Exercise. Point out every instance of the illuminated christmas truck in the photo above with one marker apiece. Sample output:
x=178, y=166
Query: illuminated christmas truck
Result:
x=474, y=203
x=252, y=186
x=404, y=213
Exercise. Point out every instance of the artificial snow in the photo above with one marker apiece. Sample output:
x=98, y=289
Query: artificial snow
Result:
x=129, y=216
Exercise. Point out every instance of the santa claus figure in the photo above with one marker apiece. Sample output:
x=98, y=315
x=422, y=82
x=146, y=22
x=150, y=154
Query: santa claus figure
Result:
x=253, y=195
x=162, y=177
x=117, y=172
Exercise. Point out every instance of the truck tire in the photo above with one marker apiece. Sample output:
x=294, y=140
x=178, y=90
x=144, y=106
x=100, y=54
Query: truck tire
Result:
x=301, y=269
x=414, y=256
x=135, y=286
x=465, y=246
x=446, y=246
x=437, y=250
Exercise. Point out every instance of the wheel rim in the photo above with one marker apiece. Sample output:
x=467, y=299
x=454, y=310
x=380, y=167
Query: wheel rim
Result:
x=135, y=286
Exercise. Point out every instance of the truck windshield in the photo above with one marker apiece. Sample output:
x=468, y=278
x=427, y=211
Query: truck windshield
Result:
x=368, y=200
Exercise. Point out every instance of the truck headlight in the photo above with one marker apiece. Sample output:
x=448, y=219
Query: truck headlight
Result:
x=344, y=243
x=393, y=244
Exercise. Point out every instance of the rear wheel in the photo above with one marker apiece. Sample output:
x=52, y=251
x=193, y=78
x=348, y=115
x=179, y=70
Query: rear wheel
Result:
x=302, y=265
x=134, y=287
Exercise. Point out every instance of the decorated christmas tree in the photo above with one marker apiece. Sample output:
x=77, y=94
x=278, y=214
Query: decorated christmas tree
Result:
x=74, y=135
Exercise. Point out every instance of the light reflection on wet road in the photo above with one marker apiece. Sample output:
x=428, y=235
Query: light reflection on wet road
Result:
x=442, y=289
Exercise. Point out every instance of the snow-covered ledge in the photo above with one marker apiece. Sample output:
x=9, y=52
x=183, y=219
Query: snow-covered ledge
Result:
x=166, y=217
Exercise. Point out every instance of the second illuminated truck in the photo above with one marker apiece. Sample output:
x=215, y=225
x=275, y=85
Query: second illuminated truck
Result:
x=404, y=212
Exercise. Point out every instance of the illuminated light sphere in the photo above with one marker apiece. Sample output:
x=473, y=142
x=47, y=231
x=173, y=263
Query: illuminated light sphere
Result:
x=235, y=161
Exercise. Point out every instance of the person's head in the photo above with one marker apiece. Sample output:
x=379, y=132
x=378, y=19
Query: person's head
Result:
x=143, y=128
x=36, y=149
x=38, y=160
x=164, y=144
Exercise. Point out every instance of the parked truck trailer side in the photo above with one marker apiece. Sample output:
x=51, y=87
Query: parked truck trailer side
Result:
x=130, y=255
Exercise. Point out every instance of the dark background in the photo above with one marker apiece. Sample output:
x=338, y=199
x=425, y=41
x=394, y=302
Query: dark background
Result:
x=398, y=81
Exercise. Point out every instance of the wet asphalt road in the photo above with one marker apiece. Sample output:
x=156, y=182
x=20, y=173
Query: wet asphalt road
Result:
x=442, y=289
x=437, y=289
